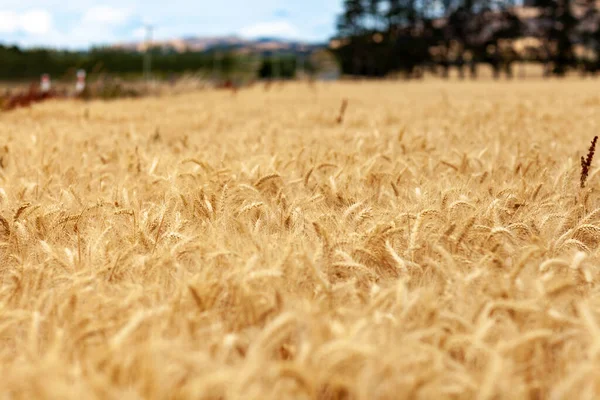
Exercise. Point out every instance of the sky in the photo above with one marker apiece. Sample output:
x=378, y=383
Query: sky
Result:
x=80, y=24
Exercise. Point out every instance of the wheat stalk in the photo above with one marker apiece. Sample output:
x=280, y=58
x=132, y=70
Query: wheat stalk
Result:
x=586, y=163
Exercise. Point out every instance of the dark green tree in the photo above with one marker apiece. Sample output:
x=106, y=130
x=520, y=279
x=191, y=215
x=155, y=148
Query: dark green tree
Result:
x=352, y=21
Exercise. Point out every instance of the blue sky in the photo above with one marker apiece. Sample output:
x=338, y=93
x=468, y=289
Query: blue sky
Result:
x=79, y=24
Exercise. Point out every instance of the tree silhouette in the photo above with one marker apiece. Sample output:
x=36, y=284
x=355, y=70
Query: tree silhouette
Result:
x=383, y=36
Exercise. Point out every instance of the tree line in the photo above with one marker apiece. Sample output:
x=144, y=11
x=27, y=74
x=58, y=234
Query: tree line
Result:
x=25, y=64
x=377, y=37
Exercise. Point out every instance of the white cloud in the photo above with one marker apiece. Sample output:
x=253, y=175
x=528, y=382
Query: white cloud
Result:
x=32, y=22
x=139, y=33
x=146, y=20
x=9, y=22
x=106, y=15
x=36, y=22
x=96, y=26
x=280, y=29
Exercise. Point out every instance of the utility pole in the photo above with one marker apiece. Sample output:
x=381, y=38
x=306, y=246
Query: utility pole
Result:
x=148, y=54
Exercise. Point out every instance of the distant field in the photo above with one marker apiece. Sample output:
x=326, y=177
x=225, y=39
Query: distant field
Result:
x=435, y=244
x=200, y=80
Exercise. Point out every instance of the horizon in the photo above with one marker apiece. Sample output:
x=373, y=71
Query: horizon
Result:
x=57, y=25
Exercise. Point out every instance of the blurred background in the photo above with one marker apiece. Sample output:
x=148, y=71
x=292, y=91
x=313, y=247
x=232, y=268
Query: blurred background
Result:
x=118, y=44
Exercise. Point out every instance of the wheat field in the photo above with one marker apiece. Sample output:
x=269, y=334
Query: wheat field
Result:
x=435, y=244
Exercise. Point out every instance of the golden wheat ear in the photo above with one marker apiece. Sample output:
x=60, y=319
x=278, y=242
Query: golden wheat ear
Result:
x=586, y=163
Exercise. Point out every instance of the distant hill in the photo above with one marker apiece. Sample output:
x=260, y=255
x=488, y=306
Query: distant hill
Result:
x=233, y=43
